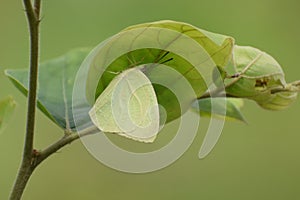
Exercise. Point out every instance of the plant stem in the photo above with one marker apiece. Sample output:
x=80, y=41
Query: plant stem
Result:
x=26, y=168
x=39, y=157
x=33, y=21
x=31, y=158
x=67, y=139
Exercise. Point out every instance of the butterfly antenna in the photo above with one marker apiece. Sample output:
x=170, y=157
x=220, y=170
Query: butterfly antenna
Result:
x=164, y=55
x=166, y=61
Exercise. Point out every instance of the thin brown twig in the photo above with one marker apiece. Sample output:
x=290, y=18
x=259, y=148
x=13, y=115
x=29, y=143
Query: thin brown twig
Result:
x=32, y=158
x=67, y=139
x=26, y=168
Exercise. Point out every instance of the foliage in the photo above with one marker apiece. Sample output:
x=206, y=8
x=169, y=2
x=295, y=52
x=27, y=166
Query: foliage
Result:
x=246, y=71
x=56, y=79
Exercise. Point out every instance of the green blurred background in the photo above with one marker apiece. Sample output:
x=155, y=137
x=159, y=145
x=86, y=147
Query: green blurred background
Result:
x=257, y=161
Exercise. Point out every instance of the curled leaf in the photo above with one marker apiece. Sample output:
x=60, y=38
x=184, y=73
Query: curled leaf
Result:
x=257, y=76
x=279, y=101
x=218, y=46
x=178, y=45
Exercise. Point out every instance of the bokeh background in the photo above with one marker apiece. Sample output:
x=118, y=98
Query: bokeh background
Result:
x=259, y=161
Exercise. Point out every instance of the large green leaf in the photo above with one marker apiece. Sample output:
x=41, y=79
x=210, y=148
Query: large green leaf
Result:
x=230, y=110
x=7, y=107
x=55, y=86
x=217, y=48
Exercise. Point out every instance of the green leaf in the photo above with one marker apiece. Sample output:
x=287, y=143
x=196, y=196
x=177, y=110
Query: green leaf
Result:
x=7, y=107
x=280, y=100
x=231, y=110
x=139, y=118
x=217, y=48
x=262, y=71
x=259, y=78
x=55, y=86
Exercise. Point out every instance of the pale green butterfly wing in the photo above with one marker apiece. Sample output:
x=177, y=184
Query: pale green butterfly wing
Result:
x=128, y=106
